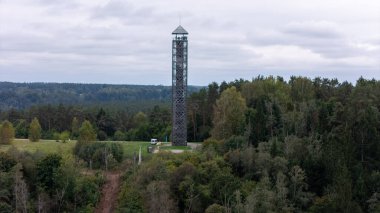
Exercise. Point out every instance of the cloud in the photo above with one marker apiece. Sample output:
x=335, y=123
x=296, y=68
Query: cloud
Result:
x=124, y=41
x=313, y=29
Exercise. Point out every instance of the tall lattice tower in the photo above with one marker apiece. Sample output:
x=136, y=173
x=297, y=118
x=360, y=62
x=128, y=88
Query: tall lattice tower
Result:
x=179, y=86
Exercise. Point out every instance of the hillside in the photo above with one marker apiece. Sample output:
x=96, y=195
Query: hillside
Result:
x=24, y=95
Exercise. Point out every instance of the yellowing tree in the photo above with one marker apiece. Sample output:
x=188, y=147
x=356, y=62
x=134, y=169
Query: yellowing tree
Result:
x=139, y=119
x=86, y=133
x=7, y=133
x=229, y=114
x=35, y=130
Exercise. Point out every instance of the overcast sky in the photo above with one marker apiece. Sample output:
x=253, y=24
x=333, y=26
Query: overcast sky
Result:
x=129, y=42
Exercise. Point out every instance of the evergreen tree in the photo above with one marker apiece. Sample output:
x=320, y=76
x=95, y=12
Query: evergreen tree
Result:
x=75, y=128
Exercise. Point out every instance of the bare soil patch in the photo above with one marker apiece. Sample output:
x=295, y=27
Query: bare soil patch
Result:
x=110, y=193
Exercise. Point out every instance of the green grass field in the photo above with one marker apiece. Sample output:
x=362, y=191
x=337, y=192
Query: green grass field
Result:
x=46, y=146
x=131, y=147
x=175, y=148
x=51, y=146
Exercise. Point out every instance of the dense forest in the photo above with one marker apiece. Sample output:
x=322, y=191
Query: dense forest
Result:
x=24, y=95
x=273, y=146
x=269, y=145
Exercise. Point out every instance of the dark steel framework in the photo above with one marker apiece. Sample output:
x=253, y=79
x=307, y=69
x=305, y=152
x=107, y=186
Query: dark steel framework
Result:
x=179, y=86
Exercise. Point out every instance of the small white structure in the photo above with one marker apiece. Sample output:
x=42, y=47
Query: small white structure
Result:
x=153, y=141
x=139, y=157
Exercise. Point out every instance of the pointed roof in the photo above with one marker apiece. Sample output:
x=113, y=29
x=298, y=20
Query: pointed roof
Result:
x=180, y=30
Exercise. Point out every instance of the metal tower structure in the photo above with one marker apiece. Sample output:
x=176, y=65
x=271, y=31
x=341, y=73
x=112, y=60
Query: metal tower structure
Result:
x=179, y=86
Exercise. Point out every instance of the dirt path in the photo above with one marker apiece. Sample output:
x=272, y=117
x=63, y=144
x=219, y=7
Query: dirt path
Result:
x=110, y=192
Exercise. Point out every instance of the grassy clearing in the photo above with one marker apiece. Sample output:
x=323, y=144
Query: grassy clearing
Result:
x=175, y=148
x=46, y=146
x=51, y=146
x=131, y=147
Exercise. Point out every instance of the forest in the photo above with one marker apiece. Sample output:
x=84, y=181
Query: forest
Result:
x=25, y=95
x=268, y=145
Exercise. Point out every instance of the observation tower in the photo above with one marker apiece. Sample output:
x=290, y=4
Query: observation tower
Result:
x=179, y=86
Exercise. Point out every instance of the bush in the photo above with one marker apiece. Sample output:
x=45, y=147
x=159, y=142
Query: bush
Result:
x=215, y=208
x=6, y=162
x=98, y=153
x=102, y=136
x=48, y=173
x=130, y=200
x=234, y=142
x=56, y=136
x=64, y=136
x=119, y=136
x=88, y=191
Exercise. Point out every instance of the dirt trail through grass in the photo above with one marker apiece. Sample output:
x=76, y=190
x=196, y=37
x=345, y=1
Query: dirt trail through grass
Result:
x=110, y=192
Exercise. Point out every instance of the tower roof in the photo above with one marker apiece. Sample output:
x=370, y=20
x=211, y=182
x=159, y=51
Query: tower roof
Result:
x=180, y=30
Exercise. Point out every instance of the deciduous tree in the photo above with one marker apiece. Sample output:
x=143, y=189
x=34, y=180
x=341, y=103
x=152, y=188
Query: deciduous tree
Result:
x=229, y=114
x=35, y=130
x=7, y=132
x=87, y=133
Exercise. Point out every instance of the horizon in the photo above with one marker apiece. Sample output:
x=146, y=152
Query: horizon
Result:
x=192, y=85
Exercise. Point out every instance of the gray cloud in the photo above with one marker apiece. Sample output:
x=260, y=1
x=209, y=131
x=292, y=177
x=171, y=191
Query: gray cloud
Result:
x=318, y=30
x=124, y=41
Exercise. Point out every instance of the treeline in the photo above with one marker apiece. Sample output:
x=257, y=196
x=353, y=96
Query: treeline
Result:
x=25, y=95
x=274, y=146
x=109, y=124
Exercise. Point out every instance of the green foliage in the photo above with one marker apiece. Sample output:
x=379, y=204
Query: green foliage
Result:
x=130, y=200
x=56, y=136
x=119, y=136
x=6, y=183
x=75, y=127
x=229, y=114
x=35, y=130
x=87, y=192
x=234, y=142
x=223, y=185
x=6, y=162
x=100, y=154
x=64, y=136
x=7, y=132
x=24, y=95
x=87, y=133
x=215, y=208
x=303, y=145
x=21, y=128
x=140, y=119
x=48, y=173
x=53, y=182
x=102, y=136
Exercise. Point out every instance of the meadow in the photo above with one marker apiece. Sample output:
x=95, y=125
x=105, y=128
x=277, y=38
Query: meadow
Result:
x=51, y=146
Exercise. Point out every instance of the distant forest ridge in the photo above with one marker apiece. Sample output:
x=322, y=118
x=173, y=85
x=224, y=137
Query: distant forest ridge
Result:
x=24, y=95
